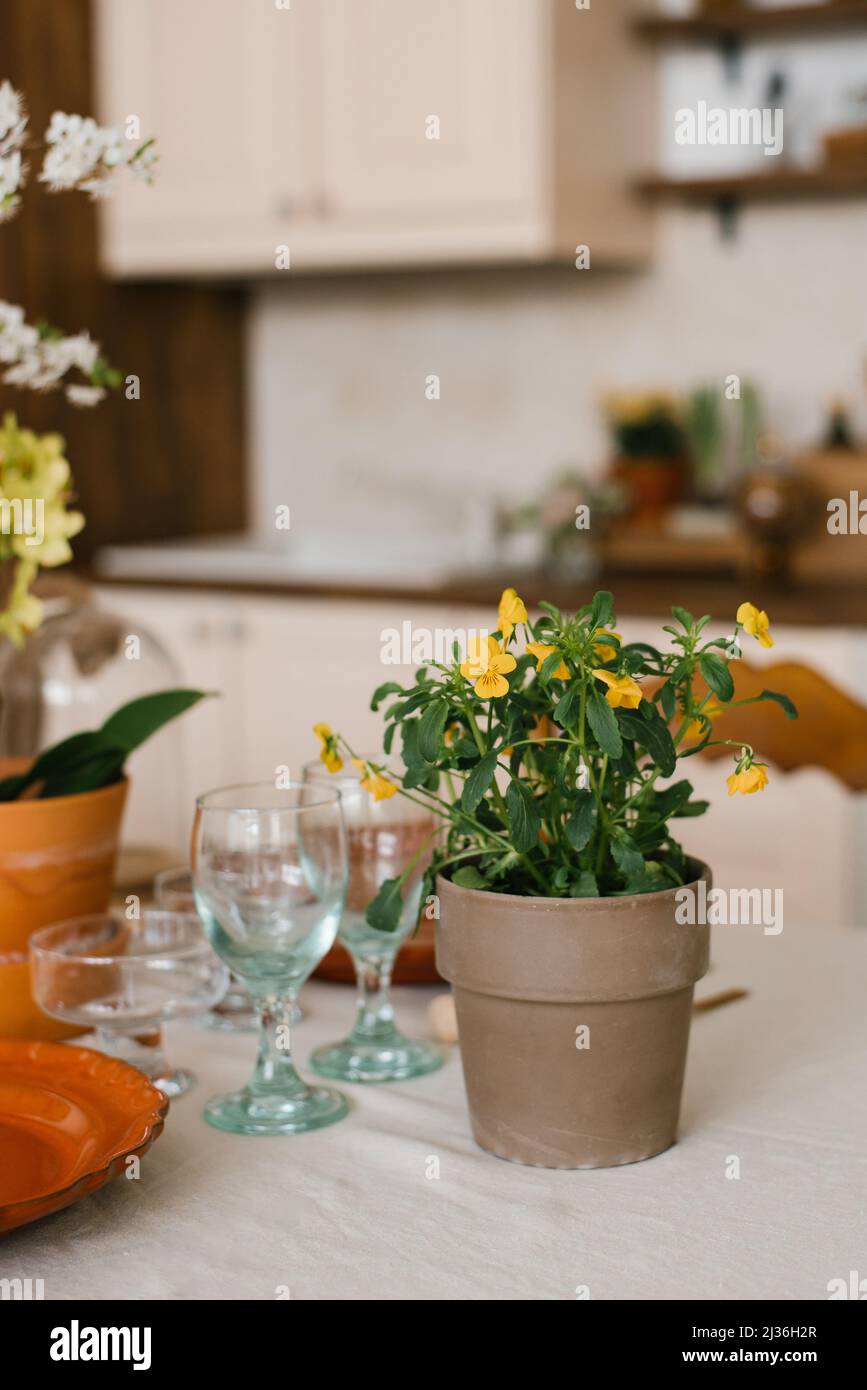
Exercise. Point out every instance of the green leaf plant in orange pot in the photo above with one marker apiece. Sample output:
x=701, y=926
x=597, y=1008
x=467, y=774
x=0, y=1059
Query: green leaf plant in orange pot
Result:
x=60, y=821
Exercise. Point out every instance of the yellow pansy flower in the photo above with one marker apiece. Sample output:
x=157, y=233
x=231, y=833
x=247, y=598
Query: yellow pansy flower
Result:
x=750, y=779
x=696, y=729
x=378, y=786
x=623, y=691
x=487, y=666
x=329, y=753
x=603, y=649
x=541, y=651
x=510, y=612
x=756, y=622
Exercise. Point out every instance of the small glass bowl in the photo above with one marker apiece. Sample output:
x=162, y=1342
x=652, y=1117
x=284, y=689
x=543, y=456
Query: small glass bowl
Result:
x=125, y=978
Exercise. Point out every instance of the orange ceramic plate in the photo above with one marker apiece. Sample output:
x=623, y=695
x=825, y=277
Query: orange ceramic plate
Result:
x=68, y=1119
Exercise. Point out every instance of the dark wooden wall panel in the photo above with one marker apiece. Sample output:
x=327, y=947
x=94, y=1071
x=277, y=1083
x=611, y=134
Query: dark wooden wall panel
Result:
x=172, y=463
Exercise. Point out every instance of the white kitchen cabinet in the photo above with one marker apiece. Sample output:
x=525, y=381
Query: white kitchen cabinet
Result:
x=374, y=133
x=224, y=85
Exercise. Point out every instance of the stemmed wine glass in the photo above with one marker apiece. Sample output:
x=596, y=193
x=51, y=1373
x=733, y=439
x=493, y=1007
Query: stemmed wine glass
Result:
x=173, y=890
x=270, y=876
x=385, y=838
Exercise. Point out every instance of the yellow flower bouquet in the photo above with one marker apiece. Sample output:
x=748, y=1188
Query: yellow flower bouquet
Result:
x=544, y=749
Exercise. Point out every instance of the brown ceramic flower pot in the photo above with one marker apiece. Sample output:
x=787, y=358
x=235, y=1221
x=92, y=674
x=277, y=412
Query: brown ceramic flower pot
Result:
x=652, y=484
x=573, y=1016
x=57, y=860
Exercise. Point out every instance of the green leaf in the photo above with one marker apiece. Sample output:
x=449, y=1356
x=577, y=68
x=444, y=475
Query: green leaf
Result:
x=12, y=787
x=83, y=762
x=431, y=728
x=782, y=700
x=581, y=824
x=524, y=822
x=133, y=723
x=638, y=656
x=600, y=717
x=87, y=761
x=105, y=768
x=385, y=912
x=667, y=698
x=585, y=886
x=478, y=782
x=567, y=707
x=626, y=854
x=669, y=801
x=652, y=734
x=692, y=808
x=717, y=675
x=550, y=665
x=642, y=881
x=684, y=617
x=468, y=876
x=602, y=609
x=552, y=612
x=379, y=694
x=413, y=760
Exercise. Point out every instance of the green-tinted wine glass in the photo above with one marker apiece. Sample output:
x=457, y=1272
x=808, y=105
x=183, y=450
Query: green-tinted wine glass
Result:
x=385, y=837
x=270, y=876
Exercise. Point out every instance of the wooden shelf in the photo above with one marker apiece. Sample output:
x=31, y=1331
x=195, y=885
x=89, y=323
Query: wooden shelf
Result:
x=790, y=184
x=750, y=20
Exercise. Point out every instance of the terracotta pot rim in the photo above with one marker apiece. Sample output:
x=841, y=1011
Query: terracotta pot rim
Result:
x=32, y=805
x=624, y=903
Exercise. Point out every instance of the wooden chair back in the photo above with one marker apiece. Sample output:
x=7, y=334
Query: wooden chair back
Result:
x=830, y=731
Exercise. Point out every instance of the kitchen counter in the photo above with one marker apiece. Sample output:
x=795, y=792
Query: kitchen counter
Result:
x=238, y=569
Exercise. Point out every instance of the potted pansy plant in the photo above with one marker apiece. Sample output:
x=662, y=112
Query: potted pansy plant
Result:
x=550, y=754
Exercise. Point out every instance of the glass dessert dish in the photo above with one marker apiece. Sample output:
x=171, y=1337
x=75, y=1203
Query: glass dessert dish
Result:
x=125, y=979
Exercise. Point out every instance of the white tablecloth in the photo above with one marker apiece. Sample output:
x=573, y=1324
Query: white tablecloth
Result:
x=349, y=1212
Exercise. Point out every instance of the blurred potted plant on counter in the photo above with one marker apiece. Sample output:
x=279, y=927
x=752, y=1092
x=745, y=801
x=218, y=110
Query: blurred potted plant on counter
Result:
x=60, y=815
x=559, y=879
x=651, y=451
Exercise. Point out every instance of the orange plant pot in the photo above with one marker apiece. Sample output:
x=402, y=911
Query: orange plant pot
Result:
x=57, y=860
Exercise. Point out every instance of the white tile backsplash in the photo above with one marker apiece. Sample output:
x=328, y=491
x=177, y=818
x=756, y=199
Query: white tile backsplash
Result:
x=342, y=429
